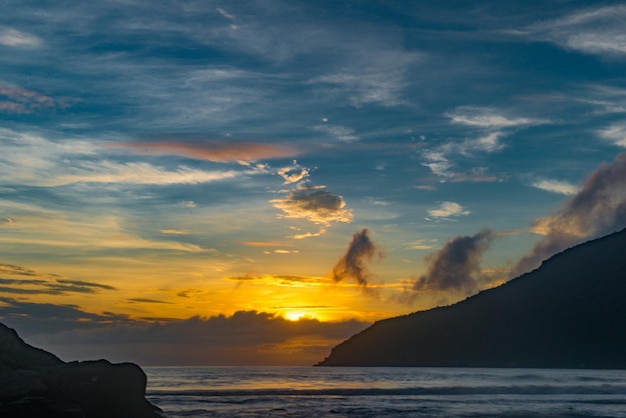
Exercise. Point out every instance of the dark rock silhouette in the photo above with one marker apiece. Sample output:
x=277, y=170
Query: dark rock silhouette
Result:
x=37, y=384
x=568, y=313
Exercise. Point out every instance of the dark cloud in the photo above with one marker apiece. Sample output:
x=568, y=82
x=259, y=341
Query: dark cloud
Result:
x=83, y=284
x=22, y=281
x=144, y=300
x=279, y=279
x=456, y=266
x=43, y=283
x=352, y=263
x=246, y=337
x=597, y=209
x=16, y=270
x=43, y=318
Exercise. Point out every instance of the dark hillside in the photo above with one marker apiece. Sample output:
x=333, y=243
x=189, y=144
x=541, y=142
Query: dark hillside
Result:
x=569, y=313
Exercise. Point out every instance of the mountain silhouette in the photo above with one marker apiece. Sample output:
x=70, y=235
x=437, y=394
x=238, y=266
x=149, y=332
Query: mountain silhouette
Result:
x=568, y=313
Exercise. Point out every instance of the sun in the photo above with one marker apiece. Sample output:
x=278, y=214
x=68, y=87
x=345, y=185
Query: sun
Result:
x=294, y=315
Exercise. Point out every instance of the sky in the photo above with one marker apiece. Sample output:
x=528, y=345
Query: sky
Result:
x=251, y=182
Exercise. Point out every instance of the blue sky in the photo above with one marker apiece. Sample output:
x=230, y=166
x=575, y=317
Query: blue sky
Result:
x=171, y=160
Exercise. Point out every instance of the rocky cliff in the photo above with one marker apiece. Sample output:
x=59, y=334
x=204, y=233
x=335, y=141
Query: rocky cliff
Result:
x=569, y=313
x=37, y=384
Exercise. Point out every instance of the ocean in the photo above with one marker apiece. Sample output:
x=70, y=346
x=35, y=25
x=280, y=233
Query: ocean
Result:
x=385, y=392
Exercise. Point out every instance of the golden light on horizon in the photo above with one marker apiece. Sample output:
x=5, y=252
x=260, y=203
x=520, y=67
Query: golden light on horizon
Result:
x=295, y=316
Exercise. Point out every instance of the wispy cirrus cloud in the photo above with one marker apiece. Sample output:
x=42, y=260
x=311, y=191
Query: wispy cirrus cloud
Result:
x=615, y=133
x=598, y=31
x=556, y=186
x=23, y=101
x=488, y=127
x=14, y=38
x=135, y=173
x=36, y=226
x=342, y=133
x=34, y=160
x=485, y=117
x=211, y=150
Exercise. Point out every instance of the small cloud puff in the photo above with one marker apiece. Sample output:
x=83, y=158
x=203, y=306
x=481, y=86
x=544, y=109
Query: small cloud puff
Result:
x=293, y=173
x=315, y=204
x=556, y=186
x=448, y=209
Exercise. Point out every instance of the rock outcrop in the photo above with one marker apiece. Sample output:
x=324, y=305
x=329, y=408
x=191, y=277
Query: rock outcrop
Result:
x=37, y=384
x=569, y=313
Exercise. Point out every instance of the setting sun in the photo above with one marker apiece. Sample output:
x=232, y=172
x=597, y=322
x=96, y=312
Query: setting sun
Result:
x=296, y=315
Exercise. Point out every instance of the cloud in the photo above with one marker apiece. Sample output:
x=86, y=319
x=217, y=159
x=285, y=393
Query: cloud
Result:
x=305, y=235
x=598, y=31
x=211, y=150
x=14, y=270
x=487, y=143
x=315, y=204
x=342, y=133
x=264, y=244
x=174, y=231
x=376, y=74
x=490, y=124
x=135, y=173
x=556, y=186
x=50, y=228
x=615, y=133
x=225, y=14
x=456, y=266
x=485, y=117
x=33, y=160
x=31, y=318
x=352, y=264
x=421, y=244
x=598, y=208
x=437, y=162
x=23, y=101
x=243, y=338
x=26, y=281
x=448, y=209
x=293, y=173
x=14, y=38
x=281, y=251
x=282, y=280
x=144, y=300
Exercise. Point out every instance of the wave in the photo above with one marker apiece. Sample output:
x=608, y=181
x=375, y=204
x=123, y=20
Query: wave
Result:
x=421, y=391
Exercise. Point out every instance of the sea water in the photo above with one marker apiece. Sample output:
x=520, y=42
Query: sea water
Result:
x=385, y=392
